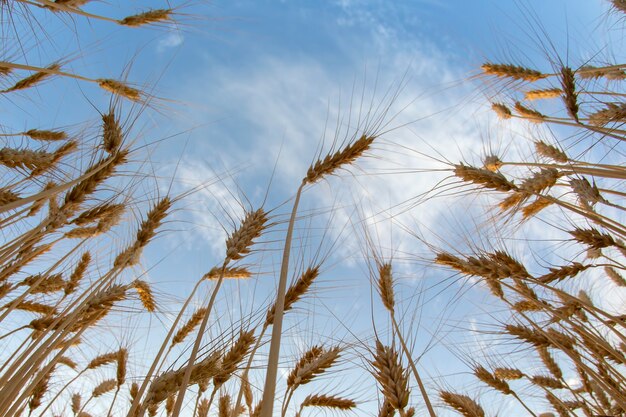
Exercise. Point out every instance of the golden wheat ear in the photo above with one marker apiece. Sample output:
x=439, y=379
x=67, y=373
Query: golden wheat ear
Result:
x=339, y=159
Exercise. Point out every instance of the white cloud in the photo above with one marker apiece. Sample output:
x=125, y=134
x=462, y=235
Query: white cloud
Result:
x=172, y=39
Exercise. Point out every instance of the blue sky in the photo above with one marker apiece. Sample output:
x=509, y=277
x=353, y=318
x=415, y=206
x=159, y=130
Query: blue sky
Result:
x=242, y=86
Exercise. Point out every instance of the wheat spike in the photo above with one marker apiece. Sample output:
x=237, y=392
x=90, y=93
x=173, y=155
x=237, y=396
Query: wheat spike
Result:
x=483, y=177
x=512, y=71
x=76, y=401
x=122, y=362
x=33, y=79
x=563, y=272
x=330, y=401
x=64, y=360
x=570, y=97
x=613, y=113
x=230, y=272
x=529, y=114
x=151, y=16
x=233, y=358
x=40, y=389
x=462, y=403
x=550, y=152
x=112, y=135
x=145, y=295
x=295, y=292
x=542, y=94
x=385, y=285
x=46, y=135
x=35, y=307
x=313, y=363
x=147, y=230
x=102, y=360
x=508, y=374
x=104, y=387
x=391, y=376
x=337, y=160
x=501, y=110
x=119, y=88
x=188, y=327
x=492, y=380
x=610, y=73
x=239, y=242
x=615, y=276
x=203, y=408
x=547, y=382
x=8, y=196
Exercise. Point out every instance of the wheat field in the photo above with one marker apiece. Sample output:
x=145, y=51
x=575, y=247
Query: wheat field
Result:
x=316, y=296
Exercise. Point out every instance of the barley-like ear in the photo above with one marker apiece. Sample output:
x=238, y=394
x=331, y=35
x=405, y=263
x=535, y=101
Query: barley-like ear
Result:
x=295, y=292
x=483, y=177
x=102, y=360
x=46, y=135
x=337, y=160
x=610, y=73
x=8, y=196
x=329, y=401
x=492, y=380
x=615, y=276
x=147, y=230
x=64, y=360
x=501, y=110
x=385, y=285
x=314, y=362
x=33, y=79
x=112, y=135
x=529, y=114
x=145, y=295
x=551, y=152
x=76, y=402
x=145, y=18
x=239, y=242
x=570, y=97
x=188, y=327
x=230, y=272
x=233, y=357
x=122, y=360
x=35, y=307
x=563, y=272
x=40, y=389
x=535, y=207
x=508, y=374
x=391, y=376
x=512, y=71
x=542, y=94
x=549, y=362
x=104, y=387
x=203, y=408
x=462, y=403
x=613, y=113
x=119, y=88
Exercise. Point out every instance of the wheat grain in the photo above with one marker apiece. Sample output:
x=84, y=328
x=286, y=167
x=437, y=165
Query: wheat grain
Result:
x=492, y=380
x=508, y=374
x=145, y=295
x=550, y=152
x=33, y=79
x=385, y=285
x=615, y=276
x=230, y=272
x=570, y=97
x=295, y=292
